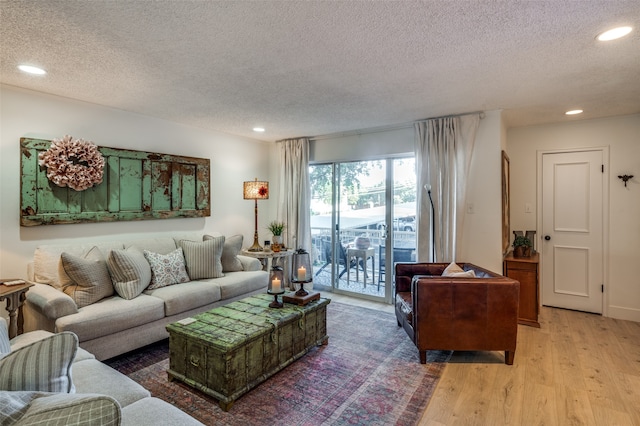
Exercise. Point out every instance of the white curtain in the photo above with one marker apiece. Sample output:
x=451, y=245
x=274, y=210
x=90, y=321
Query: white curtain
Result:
x=443, y=148
x=294, y=202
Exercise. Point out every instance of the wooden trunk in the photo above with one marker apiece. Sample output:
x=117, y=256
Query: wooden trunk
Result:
x=231, y=349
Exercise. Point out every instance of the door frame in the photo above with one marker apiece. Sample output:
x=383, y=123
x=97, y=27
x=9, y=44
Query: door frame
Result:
x=605, y=214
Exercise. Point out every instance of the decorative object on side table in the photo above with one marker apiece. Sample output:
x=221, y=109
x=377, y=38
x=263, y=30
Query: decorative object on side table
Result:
x=521, y=246
x=256, y=190
x=301, y=271
x=362, y=242
x=276, y=285
x=277, y=228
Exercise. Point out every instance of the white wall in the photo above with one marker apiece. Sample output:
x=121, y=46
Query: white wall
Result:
x=482, y=243
x=31, y=114
x=622, y=136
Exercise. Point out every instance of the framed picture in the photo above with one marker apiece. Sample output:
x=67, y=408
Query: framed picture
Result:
x=506, y=209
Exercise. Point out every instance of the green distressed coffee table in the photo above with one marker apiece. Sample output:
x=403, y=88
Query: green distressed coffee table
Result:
x=229, y=350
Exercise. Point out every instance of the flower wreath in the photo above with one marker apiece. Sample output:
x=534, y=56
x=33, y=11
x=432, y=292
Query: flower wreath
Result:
x=74, y=163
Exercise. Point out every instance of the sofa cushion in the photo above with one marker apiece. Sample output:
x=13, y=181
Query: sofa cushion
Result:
x=232, y=247
x=130, y=272
x=203, y=258
x=166, y=269
x=111, y=315
x=164, y=245
x=92, y=376
x=47, y=264
x=65, y=409
x=183, y=297
x=141, y=411
x=43, y=366
x=238, y=283
x=90, y=277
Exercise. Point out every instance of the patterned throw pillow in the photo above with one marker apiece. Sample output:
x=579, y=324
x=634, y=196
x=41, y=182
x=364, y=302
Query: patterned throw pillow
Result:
x=43, y=366
x=130, y=272
x=230, y=251
x=166, y=269
x=203, y=258
x=90, y=276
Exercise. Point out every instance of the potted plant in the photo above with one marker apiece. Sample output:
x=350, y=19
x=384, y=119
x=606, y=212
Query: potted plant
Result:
x=276, y=228
x=521, y=246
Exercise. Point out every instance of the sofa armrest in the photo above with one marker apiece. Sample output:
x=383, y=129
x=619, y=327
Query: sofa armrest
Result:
x=50, y=302
x=250, y=263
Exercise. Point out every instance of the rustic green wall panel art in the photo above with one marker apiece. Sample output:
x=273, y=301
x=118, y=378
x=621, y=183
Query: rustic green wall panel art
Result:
x=137, y=185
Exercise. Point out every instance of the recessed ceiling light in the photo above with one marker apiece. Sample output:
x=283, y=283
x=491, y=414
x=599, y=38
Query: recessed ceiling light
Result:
x=574, y=112
x=258, y=129
x=614, y=33
x=30, y=69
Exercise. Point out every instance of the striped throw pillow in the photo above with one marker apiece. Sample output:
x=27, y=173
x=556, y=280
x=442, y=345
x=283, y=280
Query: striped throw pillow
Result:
x=203, y=258
x=43, y=366
x=130, y=272
x=90, y=276
x=5, y=344
x=230, y=251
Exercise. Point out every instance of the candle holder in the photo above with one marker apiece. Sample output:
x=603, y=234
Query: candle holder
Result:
x=276, y=286
x=301, y=270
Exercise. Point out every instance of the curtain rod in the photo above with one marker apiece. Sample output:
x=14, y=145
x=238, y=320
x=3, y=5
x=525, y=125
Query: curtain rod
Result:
x=387, y=128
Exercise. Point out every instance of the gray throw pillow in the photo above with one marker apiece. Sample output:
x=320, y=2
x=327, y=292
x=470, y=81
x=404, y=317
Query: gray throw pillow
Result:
x=43, y=366
x=203, y=258
x=232, y=247
x=90, y=276
x=166, y=269
x=130, y=272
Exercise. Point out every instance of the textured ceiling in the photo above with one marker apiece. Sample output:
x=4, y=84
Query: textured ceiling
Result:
x=305, y=68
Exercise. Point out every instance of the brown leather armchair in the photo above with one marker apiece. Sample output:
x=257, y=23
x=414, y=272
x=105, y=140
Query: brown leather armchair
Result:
x=449, y=313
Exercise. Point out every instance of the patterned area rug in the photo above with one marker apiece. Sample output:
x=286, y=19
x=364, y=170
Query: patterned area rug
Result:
x=368, y=374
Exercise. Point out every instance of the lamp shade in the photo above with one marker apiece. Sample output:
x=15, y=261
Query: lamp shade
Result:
x=256, y=190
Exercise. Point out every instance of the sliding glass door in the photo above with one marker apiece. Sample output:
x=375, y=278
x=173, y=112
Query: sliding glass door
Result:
x=362, y=214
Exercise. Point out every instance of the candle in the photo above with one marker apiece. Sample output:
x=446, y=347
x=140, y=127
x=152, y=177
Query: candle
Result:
x=275, y=285
x=302, y=273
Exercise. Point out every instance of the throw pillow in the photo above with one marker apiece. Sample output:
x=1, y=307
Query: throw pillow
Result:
x=166, y=269
x=451, y=269
x=77, y=410
x=5, y=344
x=232, y=247
x=203, y=258
x=90, y=276
x=130, y=272
x=43, y=366
x=466, y=274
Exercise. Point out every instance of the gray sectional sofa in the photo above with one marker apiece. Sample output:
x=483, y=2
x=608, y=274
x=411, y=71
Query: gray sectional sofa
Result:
x=118, y=323
x=72, y=388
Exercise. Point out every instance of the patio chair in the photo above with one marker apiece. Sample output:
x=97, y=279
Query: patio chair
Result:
x=342, y=257
x=400, y=254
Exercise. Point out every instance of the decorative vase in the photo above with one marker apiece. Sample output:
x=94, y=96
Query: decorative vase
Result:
x=362, y=243
x=277, y=243
x=521, y=251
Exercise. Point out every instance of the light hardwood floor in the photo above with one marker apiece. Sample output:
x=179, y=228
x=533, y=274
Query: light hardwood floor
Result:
x=577, y=369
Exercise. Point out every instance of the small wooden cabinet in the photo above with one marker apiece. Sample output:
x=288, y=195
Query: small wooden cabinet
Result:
x=526, y=271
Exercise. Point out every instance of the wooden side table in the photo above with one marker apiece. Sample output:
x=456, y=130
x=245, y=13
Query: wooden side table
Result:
x=15, y=296
x=525, y=270
x=274, y=256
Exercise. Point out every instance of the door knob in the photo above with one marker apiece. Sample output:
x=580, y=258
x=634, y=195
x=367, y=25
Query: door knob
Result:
x=547, y=237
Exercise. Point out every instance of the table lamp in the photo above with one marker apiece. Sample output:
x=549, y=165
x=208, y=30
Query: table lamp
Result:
x=256, y=190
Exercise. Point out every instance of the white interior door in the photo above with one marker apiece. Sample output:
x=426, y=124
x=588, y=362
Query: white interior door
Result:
x=572, y=230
